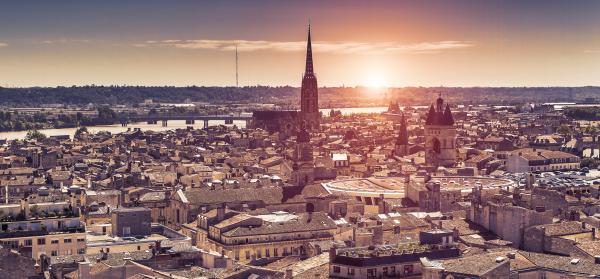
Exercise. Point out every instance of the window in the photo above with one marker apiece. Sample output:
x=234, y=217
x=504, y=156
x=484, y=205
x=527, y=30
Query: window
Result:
x=27, y=242
x=371, y=273
x=41, y=241
x=81, y=251
x=69, y=252
x=54, y=253
x=54, y=241
x=267, y=253
x=275, y=252
x=68, y=240
x=126, y=230
x=351, y=271
x=336, y=269
x=385, y=270
x=81, y=240
x=542, y=275
x=258, y=254
x=139, y=248
x=247, y=255
x=408, y=269
x=10, y=243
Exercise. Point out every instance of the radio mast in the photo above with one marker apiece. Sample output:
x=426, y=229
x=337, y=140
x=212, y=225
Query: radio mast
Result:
x=236, y=67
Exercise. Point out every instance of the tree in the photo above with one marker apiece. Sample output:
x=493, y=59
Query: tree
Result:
x=80, y=131
x=564, y=130
x=589, y=163
x=35, y=135
x=35, y=210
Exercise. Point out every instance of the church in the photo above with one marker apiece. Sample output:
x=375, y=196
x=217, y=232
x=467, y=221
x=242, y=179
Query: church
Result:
x=440, y=135
x=288, y=122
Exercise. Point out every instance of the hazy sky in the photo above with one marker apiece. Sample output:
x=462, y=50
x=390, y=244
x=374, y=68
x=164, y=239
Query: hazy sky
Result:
x=395, y=43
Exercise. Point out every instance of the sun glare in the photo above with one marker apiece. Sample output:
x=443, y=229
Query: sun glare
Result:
x=375, y=81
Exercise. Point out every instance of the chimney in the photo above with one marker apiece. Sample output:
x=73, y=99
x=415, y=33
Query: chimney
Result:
x=511, y=255
x=83, y=270
x=332, y=253
x=597, y=259
x=221, y=212
x=381, y=206
x=73, y=200
x=593, y=233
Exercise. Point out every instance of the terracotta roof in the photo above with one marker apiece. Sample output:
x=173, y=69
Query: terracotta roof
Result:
x=270, y=195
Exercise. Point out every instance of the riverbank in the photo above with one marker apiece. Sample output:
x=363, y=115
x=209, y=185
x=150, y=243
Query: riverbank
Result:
x=172, y=125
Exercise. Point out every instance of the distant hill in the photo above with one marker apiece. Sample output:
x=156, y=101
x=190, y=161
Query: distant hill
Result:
x=329, y=96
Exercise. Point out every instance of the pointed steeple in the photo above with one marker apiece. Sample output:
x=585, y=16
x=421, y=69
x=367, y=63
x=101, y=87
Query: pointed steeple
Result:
x=448, y=119
x=403, y=134
x=309, y=60
x=431, y=116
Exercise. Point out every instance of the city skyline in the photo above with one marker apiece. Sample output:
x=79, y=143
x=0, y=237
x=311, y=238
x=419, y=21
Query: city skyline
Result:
x=389, y=43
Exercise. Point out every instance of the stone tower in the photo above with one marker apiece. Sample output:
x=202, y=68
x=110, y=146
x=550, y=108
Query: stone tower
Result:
x=304, y=165
x=309, y=93
x=440, y=135
x=401, y=146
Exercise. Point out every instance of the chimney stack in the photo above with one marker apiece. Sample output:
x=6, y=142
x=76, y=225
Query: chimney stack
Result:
x=221, y=212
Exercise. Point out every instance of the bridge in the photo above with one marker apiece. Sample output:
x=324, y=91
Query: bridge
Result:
x=189, y=118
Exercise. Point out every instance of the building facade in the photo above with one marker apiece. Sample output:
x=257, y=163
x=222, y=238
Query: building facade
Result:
x=440, y=135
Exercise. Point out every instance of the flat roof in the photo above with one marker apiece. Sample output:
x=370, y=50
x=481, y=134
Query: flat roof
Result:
x=394, y=187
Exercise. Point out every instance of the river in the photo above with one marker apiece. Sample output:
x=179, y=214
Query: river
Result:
x=172, y=124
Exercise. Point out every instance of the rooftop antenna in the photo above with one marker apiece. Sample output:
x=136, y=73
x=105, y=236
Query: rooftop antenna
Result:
x=236, y=67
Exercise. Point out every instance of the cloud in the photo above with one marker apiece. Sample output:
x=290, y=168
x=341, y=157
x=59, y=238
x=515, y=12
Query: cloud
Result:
x=3, y=44
x=64, y=41
x=339, y=47
x=591, y=51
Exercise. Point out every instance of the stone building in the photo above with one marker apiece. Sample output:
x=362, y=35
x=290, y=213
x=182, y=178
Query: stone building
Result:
x=131, y=221
x=387, y=261
x=287, y=122
x=248, y=238
x=303, y=167
x=440, y=135
x=559, y=239
x=401, y=147
x=505, y=219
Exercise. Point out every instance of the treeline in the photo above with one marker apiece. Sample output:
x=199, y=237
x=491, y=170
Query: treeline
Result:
x=587, y=113
x=18, y=122
x=329, y=96
x=111, y=95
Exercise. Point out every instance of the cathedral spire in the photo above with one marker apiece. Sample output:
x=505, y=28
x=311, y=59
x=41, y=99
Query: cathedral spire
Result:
x=309, y=60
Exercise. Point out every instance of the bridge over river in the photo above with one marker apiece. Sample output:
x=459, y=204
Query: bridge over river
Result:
x=189, y=118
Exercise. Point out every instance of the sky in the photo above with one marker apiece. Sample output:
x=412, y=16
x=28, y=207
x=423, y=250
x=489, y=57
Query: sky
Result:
x=355, y=42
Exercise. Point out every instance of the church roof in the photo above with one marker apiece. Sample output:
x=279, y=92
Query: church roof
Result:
x=437, y=115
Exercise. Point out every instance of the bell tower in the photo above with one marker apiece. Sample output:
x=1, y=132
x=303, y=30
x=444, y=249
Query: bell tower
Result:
x=401, y=147
x=440, y=135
